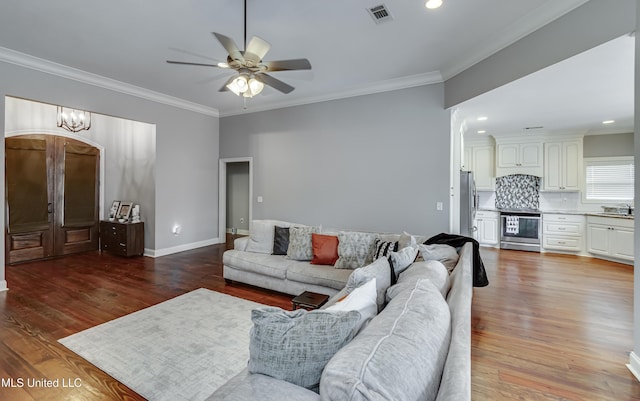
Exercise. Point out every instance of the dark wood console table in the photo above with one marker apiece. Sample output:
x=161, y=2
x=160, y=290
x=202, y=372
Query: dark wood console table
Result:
x=125, y=239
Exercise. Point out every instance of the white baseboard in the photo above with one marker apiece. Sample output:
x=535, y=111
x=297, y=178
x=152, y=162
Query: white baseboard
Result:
x=634, y=365
x=3, y=285
x=155, y=253
x=239, y=231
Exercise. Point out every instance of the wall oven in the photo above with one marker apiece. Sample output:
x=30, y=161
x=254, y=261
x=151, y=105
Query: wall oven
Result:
x=520, y=230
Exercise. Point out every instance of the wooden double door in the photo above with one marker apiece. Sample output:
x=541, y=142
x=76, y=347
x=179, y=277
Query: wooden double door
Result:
x=52, y=200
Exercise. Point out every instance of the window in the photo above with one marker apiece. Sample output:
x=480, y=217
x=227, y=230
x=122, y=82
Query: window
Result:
x=609, y=179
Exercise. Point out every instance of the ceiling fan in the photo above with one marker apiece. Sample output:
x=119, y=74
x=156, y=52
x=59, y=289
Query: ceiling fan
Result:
x=251, y=69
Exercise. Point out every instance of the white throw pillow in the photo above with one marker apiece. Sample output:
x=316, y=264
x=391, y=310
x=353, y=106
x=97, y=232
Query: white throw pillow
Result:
x=362, y=299
x=261, y=235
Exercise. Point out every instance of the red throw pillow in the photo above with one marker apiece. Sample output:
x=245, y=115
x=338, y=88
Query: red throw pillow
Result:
x=325, y=249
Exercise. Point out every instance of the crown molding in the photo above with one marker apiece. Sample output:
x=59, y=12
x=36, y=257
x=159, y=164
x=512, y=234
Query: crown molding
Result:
x=549, y=11
x=411, y=81
x=60, y=70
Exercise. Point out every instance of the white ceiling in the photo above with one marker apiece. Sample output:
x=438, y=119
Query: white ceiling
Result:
x=129, y=42
x=573, y=96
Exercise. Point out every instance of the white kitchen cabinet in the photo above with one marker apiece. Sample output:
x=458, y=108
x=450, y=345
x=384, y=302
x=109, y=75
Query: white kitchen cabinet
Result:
x=487, y=224
x=610, y=237
x=563, y=232
x=480, y=158
x=483, y=161
x=519, y=158
x=562, y=166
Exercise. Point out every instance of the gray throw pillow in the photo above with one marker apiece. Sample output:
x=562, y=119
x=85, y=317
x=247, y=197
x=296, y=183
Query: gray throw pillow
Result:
x=300, y=245
x=296, y=345
x=446, y=254
x=381, y=271
x=355, y=249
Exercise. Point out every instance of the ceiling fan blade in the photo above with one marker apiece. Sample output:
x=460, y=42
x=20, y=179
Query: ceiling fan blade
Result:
x=190, y=53
x=230, y=46
x=274, y=83
x=189, y=63
x=258, y=46
x=288, y=65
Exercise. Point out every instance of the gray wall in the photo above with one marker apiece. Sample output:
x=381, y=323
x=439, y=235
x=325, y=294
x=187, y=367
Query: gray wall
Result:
x=238, y=195
x=377, y=162
x=588, y=26
x=608, y=145
x=186, y=169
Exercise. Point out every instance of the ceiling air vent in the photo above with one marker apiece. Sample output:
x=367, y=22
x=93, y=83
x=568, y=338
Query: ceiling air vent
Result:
x=380, y=13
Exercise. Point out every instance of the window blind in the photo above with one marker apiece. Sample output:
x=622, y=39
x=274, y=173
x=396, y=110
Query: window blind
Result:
x=609, y=180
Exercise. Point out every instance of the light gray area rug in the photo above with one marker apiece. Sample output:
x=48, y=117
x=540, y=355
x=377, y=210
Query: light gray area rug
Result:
x=181, y=349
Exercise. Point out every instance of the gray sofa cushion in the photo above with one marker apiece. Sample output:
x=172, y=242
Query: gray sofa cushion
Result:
x=324, y=275
x=429, y=269
x=296, y=345
x=247, y=386
x=399, y=356
x=268, y=265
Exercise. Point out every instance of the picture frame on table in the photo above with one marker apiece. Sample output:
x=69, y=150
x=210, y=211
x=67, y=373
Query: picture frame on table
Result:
x=113, y=212
x=124, y=210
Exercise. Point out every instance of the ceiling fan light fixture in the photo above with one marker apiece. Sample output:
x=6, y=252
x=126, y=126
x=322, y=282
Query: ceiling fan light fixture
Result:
x=239, y=85
x=432, y=4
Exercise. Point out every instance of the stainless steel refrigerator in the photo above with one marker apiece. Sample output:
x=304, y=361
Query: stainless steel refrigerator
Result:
x=467, y=203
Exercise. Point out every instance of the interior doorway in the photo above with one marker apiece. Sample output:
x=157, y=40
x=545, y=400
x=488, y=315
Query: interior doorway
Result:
x=53, y=196
x=235, y=199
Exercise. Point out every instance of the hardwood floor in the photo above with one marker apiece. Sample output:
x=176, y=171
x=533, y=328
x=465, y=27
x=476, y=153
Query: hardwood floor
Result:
x=549, y=327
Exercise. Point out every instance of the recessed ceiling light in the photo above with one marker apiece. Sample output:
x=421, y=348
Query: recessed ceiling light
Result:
x=431, y=4
x=608, y=121
x=483, y=118
x=482, y=131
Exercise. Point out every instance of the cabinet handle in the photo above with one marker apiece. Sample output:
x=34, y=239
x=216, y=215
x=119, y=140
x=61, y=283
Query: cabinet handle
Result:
x=122, y=244
x=561, y=242
x=561, y=228
x=562, y=218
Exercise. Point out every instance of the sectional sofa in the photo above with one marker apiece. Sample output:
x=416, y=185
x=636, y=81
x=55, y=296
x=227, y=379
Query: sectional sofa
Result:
x=415, y=347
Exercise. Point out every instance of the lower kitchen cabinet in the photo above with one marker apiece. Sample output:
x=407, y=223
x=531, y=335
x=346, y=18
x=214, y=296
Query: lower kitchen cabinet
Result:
x=610, y=237
x=487, y=224
x=563, y=232
x=125, y=239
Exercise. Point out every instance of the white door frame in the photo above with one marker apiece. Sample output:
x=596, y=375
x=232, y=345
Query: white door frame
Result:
x=222, y=194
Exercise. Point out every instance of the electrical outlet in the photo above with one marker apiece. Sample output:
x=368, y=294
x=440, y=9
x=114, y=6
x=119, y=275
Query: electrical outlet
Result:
x=241, y=219
x=439, y=205
x=259, y=199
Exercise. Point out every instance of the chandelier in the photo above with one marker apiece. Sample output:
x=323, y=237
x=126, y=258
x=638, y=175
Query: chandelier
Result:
x=73, y=120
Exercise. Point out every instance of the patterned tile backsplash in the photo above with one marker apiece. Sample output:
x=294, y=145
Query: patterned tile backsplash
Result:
x=518, y=191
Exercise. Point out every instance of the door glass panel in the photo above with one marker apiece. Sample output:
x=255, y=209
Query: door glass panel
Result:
x=27, y=193
x=80, y=169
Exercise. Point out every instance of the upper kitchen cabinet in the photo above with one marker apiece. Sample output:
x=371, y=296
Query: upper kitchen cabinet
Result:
x=562, y=165
x=479, y=157
x=517, y=157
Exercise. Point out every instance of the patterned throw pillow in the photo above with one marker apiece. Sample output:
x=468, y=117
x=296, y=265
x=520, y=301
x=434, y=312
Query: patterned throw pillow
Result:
x=384, y=248
x=296, y=345
x=300, y=246
x=355, y=249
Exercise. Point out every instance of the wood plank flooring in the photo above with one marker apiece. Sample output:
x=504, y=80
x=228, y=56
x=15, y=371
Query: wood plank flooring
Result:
x=549, y=327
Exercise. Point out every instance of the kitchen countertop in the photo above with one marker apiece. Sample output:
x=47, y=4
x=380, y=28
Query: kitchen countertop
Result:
x=575, y=212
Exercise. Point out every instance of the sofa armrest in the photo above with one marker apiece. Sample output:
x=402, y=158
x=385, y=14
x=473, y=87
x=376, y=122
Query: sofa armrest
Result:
x=240, y=244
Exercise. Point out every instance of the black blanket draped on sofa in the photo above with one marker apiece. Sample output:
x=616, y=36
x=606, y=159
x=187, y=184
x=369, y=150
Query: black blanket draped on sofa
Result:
x=479, y=274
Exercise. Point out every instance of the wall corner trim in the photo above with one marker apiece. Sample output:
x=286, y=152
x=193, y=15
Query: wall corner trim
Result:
x=634, y=365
